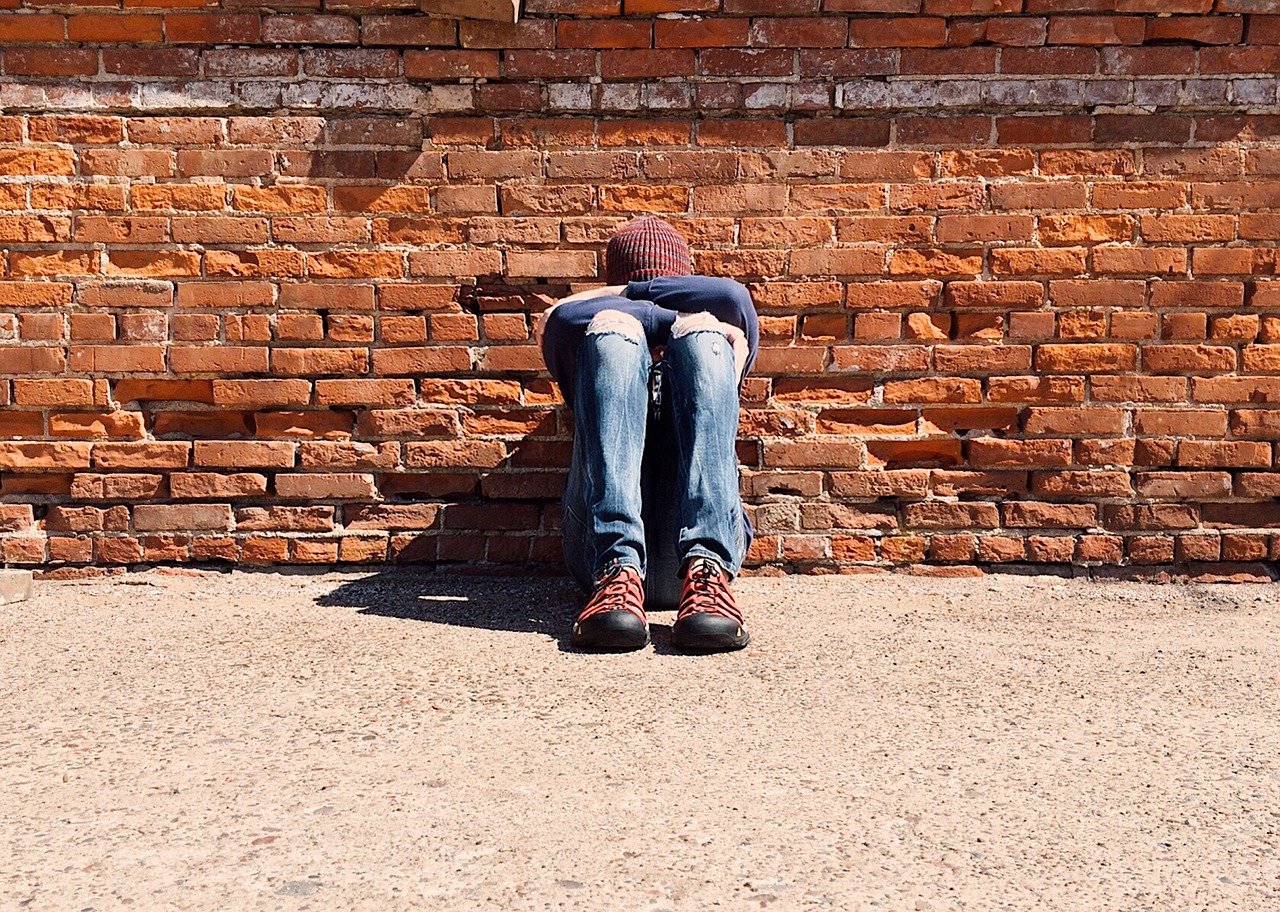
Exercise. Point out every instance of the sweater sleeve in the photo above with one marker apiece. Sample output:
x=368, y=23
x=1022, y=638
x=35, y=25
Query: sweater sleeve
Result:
x=726, y=299
x=566, y=325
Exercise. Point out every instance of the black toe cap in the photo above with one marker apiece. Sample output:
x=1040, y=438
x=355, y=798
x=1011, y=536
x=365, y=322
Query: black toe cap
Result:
x=611, y=631
x=705, y=632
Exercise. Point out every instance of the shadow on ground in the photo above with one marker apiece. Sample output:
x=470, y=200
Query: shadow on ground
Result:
x=540, y=604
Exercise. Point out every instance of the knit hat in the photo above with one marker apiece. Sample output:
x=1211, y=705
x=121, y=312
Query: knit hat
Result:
x=645, y=248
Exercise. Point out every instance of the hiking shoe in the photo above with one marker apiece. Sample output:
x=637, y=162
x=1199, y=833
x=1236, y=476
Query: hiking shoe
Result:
x=614, y=619
x=708, y=619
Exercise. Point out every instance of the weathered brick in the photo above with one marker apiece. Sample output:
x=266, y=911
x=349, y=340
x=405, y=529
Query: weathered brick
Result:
x=325, y=486
x=181, y=517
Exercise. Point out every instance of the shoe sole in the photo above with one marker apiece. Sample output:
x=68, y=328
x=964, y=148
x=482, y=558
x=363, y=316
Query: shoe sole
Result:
x=710, y=644
x=609, y=645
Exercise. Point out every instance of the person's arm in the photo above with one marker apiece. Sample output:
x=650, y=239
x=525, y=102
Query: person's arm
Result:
x=561, y=327
x=726, y=299
x=540, y=324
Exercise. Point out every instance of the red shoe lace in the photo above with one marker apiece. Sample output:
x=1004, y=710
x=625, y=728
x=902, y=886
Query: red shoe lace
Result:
x=705, y=590
x=618, y=590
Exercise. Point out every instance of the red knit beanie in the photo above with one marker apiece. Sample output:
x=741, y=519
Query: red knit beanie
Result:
x=645, y=248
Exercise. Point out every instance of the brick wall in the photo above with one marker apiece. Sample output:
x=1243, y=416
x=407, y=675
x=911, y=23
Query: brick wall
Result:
x=267, y=271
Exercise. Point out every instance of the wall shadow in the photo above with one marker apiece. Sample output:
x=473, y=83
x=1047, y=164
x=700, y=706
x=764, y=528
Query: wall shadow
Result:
x=375, y=163
x=379, y=165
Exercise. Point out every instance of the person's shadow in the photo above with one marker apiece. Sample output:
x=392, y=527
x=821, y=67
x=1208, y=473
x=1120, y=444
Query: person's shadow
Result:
x=543, y=604
x=529, y=599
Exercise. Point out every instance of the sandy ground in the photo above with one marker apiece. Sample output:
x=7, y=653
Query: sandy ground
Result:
x=400, y=739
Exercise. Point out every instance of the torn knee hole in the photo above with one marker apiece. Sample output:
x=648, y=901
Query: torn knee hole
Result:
x=615, y=321
x=697, y=322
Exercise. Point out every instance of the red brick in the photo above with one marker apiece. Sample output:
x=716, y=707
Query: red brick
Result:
x=261, y=549
x=603, y=33
x=1074, y=422
x=939, y=515
x=995, y=453
x=1104, y=549
x=700, y=32
x=1050, y=516
x=814, y=454
x=898, y=32
x=62, y=62
x=450, y=64
x=22, y=29
x=908, y=453
x=325, y=486
x=310, y=29
x=1224, y=453
x=181, y=518
x=211, y=28
x=245, y=454
x=1150, y=549
x=1179, y=486
x=1085, y=358
x=999, y=548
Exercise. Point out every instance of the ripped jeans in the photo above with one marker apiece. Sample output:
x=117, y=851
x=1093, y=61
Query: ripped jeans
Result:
x=654, y=484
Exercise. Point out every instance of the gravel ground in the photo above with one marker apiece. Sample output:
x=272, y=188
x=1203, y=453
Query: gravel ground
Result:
x=401, y=739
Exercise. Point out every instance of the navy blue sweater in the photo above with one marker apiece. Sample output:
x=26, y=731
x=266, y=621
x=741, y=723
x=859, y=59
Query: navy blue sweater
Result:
x=655, y=303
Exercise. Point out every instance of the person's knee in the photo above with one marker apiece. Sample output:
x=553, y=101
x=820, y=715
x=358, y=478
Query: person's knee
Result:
x=701, y=321
x=687, y=324
x=618, y=323
x=688, y=328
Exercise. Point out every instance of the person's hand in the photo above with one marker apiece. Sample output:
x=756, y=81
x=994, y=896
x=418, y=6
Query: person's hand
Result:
x=540, y=324
x=740, y=348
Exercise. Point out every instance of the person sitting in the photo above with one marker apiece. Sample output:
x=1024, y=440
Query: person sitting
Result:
x=651, y=366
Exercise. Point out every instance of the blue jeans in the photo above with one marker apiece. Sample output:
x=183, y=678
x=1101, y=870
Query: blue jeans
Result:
x=654, y=490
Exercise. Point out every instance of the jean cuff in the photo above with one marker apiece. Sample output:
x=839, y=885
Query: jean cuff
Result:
x=730, y=571
x=616, y=562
